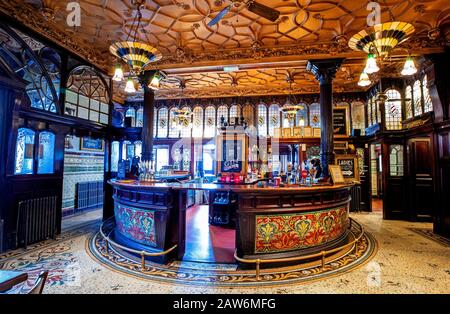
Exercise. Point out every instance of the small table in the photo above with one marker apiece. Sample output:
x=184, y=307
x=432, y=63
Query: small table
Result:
x=9, y=279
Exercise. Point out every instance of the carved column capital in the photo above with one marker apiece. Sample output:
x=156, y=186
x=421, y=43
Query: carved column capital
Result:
x=324, y=70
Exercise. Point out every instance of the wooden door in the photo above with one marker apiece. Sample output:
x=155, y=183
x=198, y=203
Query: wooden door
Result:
x=421, y=187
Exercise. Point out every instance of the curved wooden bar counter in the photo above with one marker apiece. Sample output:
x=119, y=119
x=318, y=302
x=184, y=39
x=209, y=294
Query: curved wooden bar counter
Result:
x=272, y=222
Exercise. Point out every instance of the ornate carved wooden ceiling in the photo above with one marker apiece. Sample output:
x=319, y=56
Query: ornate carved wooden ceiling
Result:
x=266, y=51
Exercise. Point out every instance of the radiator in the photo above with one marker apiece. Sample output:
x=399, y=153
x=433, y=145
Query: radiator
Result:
x=36, y=220
x=355, y=203
x=89, y=195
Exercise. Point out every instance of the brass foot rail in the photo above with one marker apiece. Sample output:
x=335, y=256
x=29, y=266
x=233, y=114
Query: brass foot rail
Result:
x=143, y=254
x=322, y=254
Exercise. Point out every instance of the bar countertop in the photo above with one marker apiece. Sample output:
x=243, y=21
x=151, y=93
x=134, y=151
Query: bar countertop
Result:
x=243, y=188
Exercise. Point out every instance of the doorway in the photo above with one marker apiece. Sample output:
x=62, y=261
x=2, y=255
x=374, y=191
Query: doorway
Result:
x=83, y=195
x=376, y=179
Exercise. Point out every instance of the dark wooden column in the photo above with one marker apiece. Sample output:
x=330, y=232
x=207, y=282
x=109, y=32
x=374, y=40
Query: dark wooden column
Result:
x=324, y=71
x=149, y=110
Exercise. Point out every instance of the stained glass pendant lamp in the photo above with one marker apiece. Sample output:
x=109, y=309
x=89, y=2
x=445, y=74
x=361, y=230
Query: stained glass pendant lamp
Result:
x=381, y=38
x=137, y=55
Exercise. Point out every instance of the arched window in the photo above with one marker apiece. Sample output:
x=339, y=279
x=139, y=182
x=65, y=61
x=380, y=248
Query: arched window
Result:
x=314, y=115
x=140, y=117
x=396, y=160
x=234, y=112
x=87, y=95
x=262, y=120
x=376, y=116
x=248, y=114
x=131, y=113
x=163, y=116
x=222, y=111
x=127, y=150
x=428, y=104
x=187, y=125
x=369, y=112
x=210, y=122
x=24, y=151
x=174, y=131
x=358, y=116
x=408, y=103
x=138, y=149
x=274, y=118
x=197, y=123
x=46, y=152
x=417, y=98
x=22, y=57
x=155, y=122
x=302, y=116
x=393, y=110
x=115, y=156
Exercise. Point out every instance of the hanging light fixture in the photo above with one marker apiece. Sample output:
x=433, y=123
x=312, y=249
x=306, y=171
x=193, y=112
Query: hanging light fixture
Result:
x=409, y=68
x=129, y=88
x=290, y=108
x=382, y=38
x=371, y=64
x=155, y=82
x=378, y=42
x=364, y=80
x=137, y=55
x=118, y=74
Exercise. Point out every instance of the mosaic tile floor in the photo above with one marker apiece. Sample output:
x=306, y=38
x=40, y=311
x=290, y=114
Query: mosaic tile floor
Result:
x=406, y=262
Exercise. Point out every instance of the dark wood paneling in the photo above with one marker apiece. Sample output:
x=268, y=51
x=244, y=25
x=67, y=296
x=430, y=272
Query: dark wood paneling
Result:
x=442, y=219
x=421, y=164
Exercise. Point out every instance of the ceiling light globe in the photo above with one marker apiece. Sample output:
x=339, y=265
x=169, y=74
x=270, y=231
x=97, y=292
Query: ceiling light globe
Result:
x=409, y=67
x=371, y=65
x=129, y=88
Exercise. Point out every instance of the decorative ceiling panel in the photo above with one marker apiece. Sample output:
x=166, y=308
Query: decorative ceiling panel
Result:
x=306, y=29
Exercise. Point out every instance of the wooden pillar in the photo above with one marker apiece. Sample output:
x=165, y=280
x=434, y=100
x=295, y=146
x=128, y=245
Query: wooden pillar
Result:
x=149, y=118
x=324, y=71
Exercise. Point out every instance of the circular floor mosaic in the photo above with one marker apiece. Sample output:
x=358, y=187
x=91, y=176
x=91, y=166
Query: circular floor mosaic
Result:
x=182, y=272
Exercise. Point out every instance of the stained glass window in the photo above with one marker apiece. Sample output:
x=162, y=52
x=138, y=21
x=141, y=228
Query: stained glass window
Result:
x=210, y=122
x=115, y=156
x=274, y=118
x=163, y=116
x=155, y=122
x=46, y=153
x=358, y=116
x=138, y=149
x=222, y=111
x=197, y=124
x=140, y=117
x=234, y=112
x=262, y=120
x=87, y=96
x=302, y=116
x=396, y=160
x=187, y=126
x=417, y=98
x=369, y=112
x=186, y=159
x=24, y=151
x=408, y=103
x=314, y=115
x=42, y=82
x=131, y=113
x=248, y=114
x=428, y=104
x=393, y=110
x=174, y=131
x=375, y=115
